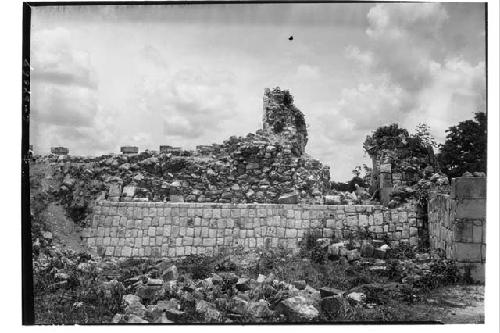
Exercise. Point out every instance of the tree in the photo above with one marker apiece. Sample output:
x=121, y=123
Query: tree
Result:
x=465, y=147
x=422, y=131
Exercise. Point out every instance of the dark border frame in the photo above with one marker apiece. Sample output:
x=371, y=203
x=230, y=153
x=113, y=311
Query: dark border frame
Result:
x=28, y=315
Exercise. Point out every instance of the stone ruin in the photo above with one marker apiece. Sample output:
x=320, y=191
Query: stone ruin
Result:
x=59, y=150
x=400, y=166
x=129, y=150
x=268, y=166
x=282, y=118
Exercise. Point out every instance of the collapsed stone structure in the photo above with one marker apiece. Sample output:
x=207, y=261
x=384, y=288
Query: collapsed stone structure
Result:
x=59, y=150
x=397, y=161
x=129, y=150
x=268, y=166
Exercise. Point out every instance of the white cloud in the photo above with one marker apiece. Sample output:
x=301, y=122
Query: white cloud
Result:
x=64, y=103
x=405, y=79
x=307, y=72
x=192, y=103
x=398, y=21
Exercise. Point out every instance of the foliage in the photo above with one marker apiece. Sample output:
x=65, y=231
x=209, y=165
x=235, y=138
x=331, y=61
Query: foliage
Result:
x=442, y=273
x=385, y=137
x=312, y=248
x=422, y=131
x=465, y=147
x=79, y=299
x=199, y=266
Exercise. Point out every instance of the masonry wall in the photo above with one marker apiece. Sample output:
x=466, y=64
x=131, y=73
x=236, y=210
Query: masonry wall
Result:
x=148, y=229
x=457, y=223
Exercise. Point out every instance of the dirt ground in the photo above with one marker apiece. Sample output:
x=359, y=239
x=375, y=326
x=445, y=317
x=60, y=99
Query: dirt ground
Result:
x=458, y=304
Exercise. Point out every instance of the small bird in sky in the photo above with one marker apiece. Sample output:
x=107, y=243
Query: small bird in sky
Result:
x=290, y=38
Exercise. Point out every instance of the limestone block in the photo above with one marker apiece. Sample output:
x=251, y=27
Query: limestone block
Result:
x=467, y=252
x=363, y=221
x=126, y=251
x=471, y=209
x=468, y=188
x=291, y=233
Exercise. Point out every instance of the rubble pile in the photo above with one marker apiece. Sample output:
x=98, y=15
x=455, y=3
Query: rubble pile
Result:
x=160, y=292
x=268, y=166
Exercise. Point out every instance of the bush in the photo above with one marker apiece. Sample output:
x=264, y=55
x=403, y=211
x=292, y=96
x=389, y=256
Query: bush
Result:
x=311, y=248
x=199, y=266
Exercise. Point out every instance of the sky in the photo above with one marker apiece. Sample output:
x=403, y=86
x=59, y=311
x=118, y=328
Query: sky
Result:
x=183, y=75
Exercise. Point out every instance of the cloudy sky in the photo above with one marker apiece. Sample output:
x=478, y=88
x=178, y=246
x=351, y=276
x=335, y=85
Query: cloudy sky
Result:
x=183, y=75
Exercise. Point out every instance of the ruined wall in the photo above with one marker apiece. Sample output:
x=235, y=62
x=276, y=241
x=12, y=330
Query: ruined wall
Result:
x=125, y=229
x=263, y=167
x=457, y=223
x=283, y=118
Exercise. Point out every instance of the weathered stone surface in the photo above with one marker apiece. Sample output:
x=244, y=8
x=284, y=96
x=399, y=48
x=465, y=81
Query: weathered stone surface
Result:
x=297, y=309
x=259, y=309
x=290, y=199
x=170, y=273
x=328, y=292
x=331, y=306
x=208, y=311
x=468, y=188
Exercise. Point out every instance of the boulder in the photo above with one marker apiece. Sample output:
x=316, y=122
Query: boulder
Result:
x=328, y=292
x=290, y=198
x=170, y=273
x=367, y=250
x=238, y=305
x=134, y=319
x=230, y=278
x=243, y=284
x=299, y=284
x=155, y=282
x=297, y=309
x=332, y=200
x=353, y=255
x=130, y=299
x=332, y=306
x=356, y=297
x=335, y=249
x=259, y=309
x=146, y=292
x=261, y=278
x=136, y=308
x=207, y=311
x=163, y=319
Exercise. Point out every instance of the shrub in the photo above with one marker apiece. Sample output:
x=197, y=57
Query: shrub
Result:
x=199, y=266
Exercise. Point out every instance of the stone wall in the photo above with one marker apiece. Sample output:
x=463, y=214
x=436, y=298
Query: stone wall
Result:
x=457, y=223
x=148, y=229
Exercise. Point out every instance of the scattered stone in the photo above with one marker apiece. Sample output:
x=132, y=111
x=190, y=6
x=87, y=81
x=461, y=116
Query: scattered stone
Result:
x=136, y=308
x=297, y=309
x=329, y=292
x=130, y=299
x=353, y=255
x=238, y=305
x=155, y=282
x=170, y=273
x=331, y=306
x=259, y=309
x=208, y=311
x=134, y=319
x=291, y=199
x=243, y=284
x=367, y=250
x=299, y=284
x=357, y=297
x=261, y=278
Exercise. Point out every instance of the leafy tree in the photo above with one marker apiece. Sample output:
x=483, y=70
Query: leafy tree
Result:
x=422, y=131
x=385, y=137
x=465, y=147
